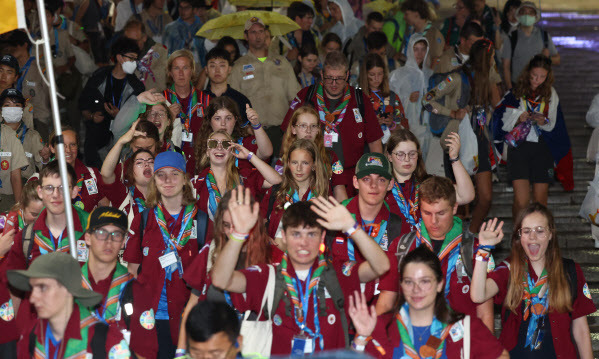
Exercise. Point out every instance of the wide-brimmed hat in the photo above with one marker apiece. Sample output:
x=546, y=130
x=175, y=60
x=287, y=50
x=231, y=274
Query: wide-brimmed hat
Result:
x=60, y=266
x=531, y=5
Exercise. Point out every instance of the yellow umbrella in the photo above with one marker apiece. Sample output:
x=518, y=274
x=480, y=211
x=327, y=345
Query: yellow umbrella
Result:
x=233, y=24
x=382, y=6
x=264, y=3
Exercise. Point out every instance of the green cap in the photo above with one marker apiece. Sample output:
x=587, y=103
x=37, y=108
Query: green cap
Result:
x=60, y=266
x=373, y=163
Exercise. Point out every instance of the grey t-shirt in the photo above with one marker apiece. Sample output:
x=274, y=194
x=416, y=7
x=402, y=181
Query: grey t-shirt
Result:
x=526, y=48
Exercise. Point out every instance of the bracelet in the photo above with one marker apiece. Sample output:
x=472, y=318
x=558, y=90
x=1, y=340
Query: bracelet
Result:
x=482, y=256
x=486, y=247
x=250, y=155
x=360, y=348
x=257, y=127
x=239, y=237
x=454, y=160
x=357, y=348
x=180, y=353
x=349, y=232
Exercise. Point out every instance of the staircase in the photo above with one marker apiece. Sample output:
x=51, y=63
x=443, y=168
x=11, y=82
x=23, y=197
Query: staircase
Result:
x=576, y=82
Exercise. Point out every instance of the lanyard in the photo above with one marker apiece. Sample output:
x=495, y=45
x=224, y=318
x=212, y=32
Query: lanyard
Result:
x=155, y=31
x=133, y=7
x=378, y=237
x=114, y=103
x=305, y=80
x=24, y=71
x=376, y=93
x=304, y=297
x=49, y=337
x=56, y=246
x=56, y=43
x=25, y=129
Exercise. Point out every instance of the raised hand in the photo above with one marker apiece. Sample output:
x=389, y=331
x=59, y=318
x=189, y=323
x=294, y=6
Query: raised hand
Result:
x=241, y=153
x=175, y=109
x=334, y=215
x=453, y=144
x=364, y=318
x=490, y=233
x=252, y=115
x=132, y=132
x=6, y=241
x=151, y=97
x=243, y=215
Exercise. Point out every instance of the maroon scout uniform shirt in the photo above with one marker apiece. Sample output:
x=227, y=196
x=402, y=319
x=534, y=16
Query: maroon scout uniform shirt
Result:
x=146, y=251
x=406, y=227
x=284, y=326
x=483, y=343
x=561, y=323
x=92, y=195
x=117, y=193
x=8, y=326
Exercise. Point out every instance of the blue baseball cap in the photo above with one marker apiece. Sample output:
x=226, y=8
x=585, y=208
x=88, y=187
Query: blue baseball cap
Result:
x=170, y=159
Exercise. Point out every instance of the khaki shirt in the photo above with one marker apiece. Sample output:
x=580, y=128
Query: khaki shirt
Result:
x=270, y=86
x=12, y=156
x=36, y=91
x=32, y=144
x=151, y=69
x=64, y=51
x=450, y=89
x=436, y=43
x=451, y=60
x=158, y=25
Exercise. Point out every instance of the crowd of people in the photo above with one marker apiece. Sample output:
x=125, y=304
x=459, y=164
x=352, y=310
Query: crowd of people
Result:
x=326, y=189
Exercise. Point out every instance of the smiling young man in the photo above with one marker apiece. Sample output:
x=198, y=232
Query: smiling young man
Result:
x=349, y=127
x=299, y=329
x=441, y=231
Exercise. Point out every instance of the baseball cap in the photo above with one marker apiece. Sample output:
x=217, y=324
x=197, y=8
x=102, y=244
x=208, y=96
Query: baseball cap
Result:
x=170, y=159
x=13, y=93
x=60, y=266
x=102, y=216
x=251, y=21
x=11, y=61
x=374, y=163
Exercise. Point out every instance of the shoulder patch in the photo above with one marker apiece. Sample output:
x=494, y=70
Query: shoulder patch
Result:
x=586, y=291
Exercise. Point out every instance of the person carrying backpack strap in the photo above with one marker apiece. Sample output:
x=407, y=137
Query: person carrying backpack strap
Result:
x=307, y=318
x=545, y=298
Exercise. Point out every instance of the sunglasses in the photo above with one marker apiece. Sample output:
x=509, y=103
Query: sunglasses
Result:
x=214, y=143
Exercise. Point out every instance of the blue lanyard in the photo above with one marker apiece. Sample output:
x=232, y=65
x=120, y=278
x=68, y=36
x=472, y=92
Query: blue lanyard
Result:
x=305, y=80
x=305, y=299
x=117, y=104
x=24, y=71
x=49, y=337
x=43, y=251
x=25, y=129
x=230, y=303
x=350, y=243
x=153, y=28
x=381, y=99
x=170, y=245
x=56, y=43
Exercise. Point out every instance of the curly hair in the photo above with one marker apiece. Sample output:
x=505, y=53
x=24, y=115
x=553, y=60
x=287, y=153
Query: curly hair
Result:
x=168, y=131
x=523, y=87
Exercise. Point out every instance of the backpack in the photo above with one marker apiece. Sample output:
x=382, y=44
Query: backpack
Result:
x=438, y=122
x=271, y=202
x=98, y=343
x=514, y=41
x=358, y=94
x=328, y=280
x=466, y=250
x=201, y=226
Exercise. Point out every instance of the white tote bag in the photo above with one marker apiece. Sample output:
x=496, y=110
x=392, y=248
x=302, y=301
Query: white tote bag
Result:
x=257, y=334
x=469, y=148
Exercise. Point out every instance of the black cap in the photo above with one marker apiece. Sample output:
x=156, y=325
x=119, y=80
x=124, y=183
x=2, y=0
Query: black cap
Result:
x=102, y=216
x=10, y=60
x=13, y=94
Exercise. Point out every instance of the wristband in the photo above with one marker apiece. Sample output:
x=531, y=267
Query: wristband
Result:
x=360, y=348
x=239, y=237
x=454, y=160
x=482, y=256
x=351, y=230
x=486, y=247
x=257, y=127
x=250, y=155
x=180, y=353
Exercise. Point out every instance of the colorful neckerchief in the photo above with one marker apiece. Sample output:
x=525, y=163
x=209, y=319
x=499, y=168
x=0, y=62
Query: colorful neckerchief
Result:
x=293, y=196
x=301, y=298
x=20, y=220
x=78, y=202
x=375, y=230
x=46, y=245
x=533, y=303
x=75, y=348
x=408, y=208
x=191, y=107
x=110, y=305
x=214, y=195
x=327, y=117
x=171, y=243
x=450, y=249
x=21, y=137
x=140, y=202
x=406, y=332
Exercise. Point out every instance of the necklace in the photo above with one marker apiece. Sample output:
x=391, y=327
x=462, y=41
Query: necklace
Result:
x=421, y=334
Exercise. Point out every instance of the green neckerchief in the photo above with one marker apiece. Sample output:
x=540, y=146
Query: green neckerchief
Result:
x=46, y=245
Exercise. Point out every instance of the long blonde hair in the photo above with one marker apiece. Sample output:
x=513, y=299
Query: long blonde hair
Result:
x=560, y=298
x=289, y=137
x=319, y=183
x=232, y=171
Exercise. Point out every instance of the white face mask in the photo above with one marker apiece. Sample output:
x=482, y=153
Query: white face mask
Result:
x=129, y=67
x=514, y=24
x=12, y=114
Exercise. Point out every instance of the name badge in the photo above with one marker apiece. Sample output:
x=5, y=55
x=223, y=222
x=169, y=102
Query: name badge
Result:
x=30, y=83
x=28, y=154
x=91, y=186
x=328, y=140
x=5, y=154
x=187, y=136
x=357, y=115
x=81, y=251
x=194, y=231
x=301, y=345
x=168, y=259
x=248, y=77
x=457, y=331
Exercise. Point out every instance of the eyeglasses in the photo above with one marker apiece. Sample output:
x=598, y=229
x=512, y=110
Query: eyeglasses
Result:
x=424, y=284
x=402, y=155
x=458, y=7
x=132, y=58
x=214, y=143
x=143, y=163
x=157, y=114
x=103, y=235
x=305, y=127
x=330, y=80
x=541, y=232
x=49, y=189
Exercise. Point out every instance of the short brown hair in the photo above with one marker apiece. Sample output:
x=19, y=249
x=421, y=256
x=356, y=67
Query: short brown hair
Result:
x=436, y=188
x=335, y=60
x=300, y=214
x=52, y=169
x=419, y=6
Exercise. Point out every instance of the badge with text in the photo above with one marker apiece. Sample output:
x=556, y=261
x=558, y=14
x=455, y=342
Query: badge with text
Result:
x=357, y=115
x=92, y=187
x=168, y=259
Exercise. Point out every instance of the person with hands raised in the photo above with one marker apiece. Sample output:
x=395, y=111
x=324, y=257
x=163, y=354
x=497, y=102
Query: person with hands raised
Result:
x=218, y=173
x=545, y=298
x=421, y=325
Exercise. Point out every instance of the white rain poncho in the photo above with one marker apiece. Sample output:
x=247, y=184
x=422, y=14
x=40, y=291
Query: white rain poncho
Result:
x=408, y=79
x=350, y=25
